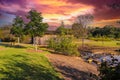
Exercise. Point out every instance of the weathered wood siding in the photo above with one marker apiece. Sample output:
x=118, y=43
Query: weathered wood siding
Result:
x=43, y=40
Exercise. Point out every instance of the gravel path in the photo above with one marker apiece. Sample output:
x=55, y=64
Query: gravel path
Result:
x=72, y=68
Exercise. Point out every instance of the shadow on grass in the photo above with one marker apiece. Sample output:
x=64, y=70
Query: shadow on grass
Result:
x=21, y=70
x=75, y=74
x=12, y=46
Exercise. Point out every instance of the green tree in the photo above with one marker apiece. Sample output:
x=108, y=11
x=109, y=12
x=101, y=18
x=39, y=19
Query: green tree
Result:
x=35, y=27
x=108, y=31
x=0, y=33
x=17, y=28
x=61, y=30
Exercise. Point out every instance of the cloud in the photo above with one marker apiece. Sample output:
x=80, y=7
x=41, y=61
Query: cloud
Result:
x=5, y=18
x=56, y=10
x=102, y=8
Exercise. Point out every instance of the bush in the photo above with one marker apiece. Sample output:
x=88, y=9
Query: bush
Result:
x=110, y=70
x=8, y=39
x=118, y=43
x=118, y=39
x=26, y=39
x=64, y=45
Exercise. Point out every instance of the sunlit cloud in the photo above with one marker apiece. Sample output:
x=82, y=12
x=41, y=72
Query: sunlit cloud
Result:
x=55, y=11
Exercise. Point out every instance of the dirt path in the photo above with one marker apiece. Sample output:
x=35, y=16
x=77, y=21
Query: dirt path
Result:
x=72, y=68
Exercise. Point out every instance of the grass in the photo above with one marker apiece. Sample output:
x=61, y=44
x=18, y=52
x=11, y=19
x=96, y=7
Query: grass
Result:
x=104, y=43
x=19, y=64
x=99, y=43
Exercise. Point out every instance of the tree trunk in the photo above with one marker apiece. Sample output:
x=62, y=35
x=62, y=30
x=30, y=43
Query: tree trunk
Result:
x=82, y=42
x=36, y=47
x=18, y=40
x=36, y=43
x=32, y=40
x=83, y=37
x=102, y=41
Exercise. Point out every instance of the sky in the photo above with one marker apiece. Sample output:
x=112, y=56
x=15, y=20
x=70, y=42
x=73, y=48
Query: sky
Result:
x=105, y=12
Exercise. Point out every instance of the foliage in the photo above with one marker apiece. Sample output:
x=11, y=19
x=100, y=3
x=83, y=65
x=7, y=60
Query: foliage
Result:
x=0, y=33
x=64, y=45
x=110, y=70
x=5, y=32
x=8, y=39
x=62, y=30
x=81, y=25
x=18, y=26
x=78, y=31
x=35, y=27
x=108, y=31
x=26, y=39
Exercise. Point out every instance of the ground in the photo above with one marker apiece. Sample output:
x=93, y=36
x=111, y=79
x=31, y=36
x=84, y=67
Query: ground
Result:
x=73, y=68
x=100, y=50
x=99, y=47
x=24, y=64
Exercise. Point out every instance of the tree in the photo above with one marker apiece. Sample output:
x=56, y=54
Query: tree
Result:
x=62, y=30
x=77, y=30
x=117, y=33
x=81, y=25
x=35, y=27
x=107, y=31
x=17, y=28
x=118, y=22
x=0, y=34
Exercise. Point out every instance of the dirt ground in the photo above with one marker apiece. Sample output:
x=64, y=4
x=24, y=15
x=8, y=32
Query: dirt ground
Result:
x=100, y=50
x=73, y=68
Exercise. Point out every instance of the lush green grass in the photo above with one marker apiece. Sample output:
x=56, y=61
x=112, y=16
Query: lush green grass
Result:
x=20, y=64
x=100, y=43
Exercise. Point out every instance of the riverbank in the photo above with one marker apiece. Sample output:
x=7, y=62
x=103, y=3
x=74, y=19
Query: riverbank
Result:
x=100, y=50
x=96, y=54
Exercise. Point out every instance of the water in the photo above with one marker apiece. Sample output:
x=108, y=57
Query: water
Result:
x=98, y=58
x=108, y=58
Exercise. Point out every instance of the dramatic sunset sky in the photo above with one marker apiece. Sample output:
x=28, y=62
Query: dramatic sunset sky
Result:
x=104, y=11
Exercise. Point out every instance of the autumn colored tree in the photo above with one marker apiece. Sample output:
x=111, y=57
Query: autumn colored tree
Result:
x=81, y=25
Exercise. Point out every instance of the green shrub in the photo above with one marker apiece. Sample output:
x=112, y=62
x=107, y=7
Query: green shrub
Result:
x=26, y=39
x=8, y=39
x=118, y=39
x=118, y=43
x=64, y=45
x=110, y=70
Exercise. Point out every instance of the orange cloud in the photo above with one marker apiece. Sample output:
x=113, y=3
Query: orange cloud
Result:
x=61, y=10
x=54, y=11
x=102, y=23
x=51, y=2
